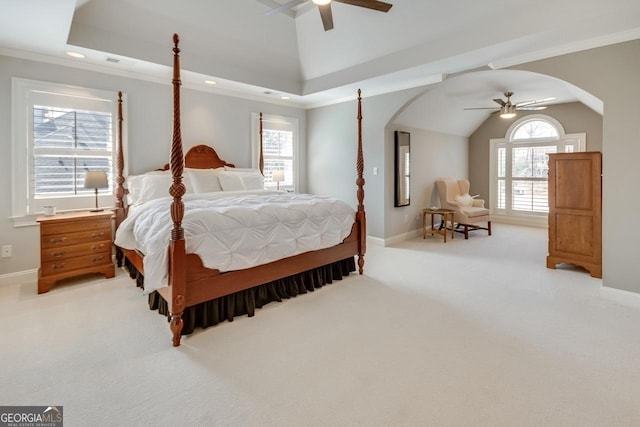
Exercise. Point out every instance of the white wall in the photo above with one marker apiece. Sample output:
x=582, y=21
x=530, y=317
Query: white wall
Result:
x=223, y=122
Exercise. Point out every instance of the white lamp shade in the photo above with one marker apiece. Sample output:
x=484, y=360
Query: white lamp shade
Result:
x=96, y=179
x=277, y=176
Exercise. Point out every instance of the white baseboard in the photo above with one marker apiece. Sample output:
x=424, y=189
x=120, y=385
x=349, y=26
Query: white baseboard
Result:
x=620, y=296
x=27, y=276
x=390, y=241
x=375, y=241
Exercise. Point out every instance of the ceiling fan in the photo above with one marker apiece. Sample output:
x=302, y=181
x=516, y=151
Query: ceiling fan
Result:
x=324, y=6
x=508, y=109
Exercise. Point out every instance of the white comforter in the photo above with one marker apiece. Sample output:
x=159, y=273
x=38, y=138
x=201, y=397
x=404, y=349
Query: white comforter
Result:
x=235, y=229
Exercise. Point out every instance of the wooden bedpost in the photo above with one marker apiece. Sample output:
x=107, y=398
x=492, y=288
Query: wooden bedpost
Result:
x=177, y=252
x=119, y=211
x=360, y=214
x=261, y=161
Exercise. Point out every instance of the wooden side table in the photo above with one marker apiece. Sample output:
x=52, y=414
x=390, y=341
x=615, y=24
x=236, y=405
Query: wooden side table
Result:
x=72, y=244
x=447, y=215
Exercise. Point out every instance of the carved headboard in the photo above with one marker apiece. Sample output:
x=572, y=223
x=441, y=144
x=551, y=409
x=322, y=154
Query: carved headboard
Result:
x=202, y=157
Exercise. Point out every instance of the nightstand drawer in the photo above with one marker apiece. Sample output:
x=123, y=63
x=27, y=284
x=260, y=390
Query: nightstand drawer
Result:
x=59, y=240
x=56, y=254
x=69, y=264
x=65, y=227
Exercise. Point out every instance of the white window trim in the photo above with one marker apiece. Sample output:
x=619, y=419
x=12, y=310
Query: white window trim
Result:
x=518, y=217
x=255, y=141
x=20, y=110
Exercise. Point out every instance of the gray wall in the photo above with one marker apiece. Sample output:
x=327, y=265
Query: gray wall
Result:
x=574, y=117
x=220, y=121
x=433, y=155
x=612, y=74
x=331, y=153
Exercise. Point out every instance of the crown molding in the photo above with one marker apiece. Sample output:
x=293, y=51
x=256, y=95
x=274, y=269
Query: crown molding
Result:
x=147, y=77
x=567, y=48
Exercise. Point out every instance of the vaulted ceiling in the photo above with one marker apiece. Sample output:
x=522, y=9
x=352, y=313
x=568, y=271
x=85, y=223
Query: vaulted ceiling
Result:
x=250, y=52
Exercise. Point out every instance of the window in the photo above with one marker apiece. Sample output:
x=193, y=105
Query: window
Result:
x=279, y=150
x=519, y=166
x=59, y=133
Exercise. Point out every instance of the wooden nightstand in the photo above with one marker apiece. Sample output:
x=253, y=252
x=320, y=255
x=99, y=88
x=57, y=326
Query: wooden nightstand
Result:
x=72, y=244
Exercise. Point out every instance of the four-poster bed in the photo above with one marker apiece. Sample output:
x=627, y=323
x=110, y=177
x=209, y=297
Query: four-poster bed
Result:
x=192, y=289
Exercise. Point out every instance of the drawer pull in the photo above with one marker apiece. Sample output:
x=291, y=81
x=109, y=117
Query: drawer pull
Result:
x=58, y=240
x=97, y=248
x=100, y=234
x=57, y=266
x=99, y=259
x=57, y=254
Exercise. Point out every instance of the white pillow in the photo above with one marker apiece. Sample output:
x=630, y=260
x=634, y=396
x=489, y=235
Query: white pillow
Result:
x=232, y=169
x=231, y=181
x=155, y=187
x=251, y=177
x=152, y=185
x=134, y=187
x=464, y=201
x=205, y=180
x=253, y=182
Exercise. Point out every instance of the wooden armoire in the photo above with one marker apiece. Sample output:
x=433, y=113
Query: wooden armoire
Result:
x=575, y=210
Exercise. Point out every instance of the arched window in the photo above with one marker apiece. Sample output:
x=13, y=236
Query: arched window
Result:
x=519, y=166
x=533, y=129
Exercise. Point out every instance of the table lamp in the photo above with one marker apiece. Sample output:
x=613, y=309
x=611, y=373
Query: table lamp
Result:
x=95, y=180
x=277, y=176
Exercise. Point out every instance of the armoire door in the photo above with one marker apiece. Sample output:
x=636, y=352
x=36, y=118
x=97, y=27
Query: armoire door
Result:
x=575, y=210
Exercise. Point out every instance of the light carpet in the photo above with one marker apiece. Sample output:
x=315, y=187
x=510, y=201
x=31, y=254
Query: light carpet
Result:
x=463, y=333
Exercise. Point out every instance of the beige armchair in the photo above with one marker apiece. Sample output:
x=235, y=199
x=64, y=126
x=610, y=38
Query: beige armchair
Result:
x=470, y=212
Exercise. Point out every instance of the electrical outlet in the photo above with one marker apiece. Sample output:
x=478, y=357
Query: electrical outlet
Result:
x=6, y=251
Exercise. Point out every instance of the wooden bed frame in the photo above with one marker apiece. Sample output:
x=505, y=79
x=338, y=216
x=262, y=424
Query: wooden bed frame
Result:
x=190, y=283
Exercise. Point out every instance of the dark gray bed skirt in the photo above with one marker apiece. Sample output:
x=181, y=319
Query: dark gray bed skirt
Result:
x=212, y=312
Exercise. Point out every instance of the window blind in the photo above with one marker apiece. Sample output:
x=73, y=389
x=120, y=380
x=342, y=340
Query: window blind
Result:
x=66, y=144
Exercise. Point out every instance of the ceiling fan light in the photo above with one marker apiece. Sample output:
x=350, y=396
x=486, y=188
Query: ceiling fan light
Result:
x=508, y=111
x=321, y=2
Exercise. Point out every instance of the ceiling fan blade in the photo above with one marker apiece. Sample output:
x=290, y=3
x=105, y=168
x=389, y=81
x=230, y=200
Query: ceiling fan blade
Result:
x=532, y=108
x=536, y=102
x=499, y=101
x=525, y=103
x=369, y=4
x=286, y=6
x=481, y=108
x=326, y=15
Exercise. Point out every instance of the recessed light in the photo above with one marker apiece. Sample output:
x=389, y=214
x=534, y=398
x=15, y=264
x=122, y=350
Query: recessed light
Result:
x=75, y=54
x=284, y=97
x=210, y=82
